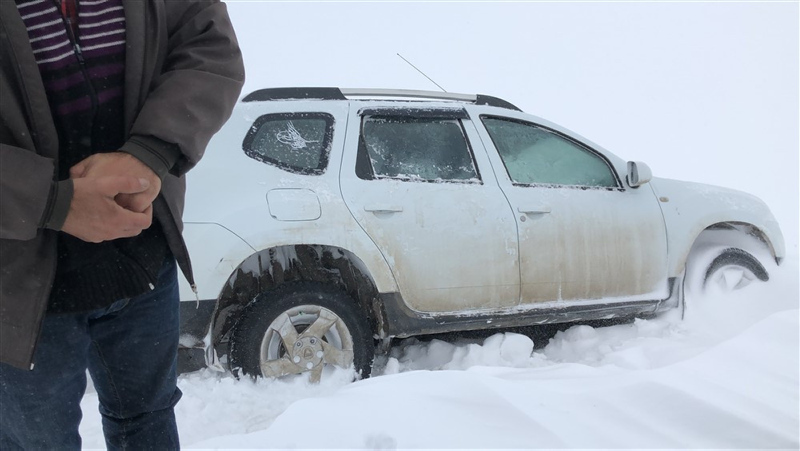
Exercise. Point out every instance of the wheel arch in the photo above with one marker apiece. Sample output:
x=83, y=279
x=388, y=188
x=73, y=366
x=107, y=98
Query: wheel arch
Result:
x=691, y=209
x=275, y=266
x=744, y=228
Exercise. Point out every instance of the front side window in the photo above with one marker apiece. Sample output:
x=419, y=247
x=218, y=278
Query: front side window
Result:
x=413, y=148
x=296, y=142
x=534, y=155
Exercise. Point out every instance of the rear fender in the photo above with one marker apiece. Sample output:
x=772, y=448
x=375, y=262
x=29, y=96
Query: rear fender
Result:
x=273, y=267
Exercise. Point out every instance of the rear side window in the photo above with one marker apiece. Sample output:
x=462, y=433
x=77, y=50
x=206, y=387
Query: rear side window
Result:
x=296, y=142
x=415, y=149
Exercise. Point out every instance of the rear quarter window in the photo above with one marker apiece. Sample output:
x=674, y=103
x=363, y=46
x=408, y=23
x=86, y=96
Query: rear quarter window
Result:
x=295, y=142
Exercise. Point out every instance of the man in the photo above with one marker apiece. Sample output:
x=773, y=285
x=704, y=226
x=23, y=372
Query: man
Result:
x=105, y=105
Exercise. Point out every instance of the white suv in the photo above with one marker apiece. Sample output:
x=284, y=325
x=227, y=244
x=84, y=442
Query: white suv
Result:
x=322, y=219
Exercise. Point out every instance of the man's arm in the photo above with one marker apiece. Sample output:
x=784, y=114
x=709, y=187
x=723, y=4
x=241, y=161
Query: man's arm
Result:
x=195, y=93
x=189, y=101
x=30, y=201
x=26, y=186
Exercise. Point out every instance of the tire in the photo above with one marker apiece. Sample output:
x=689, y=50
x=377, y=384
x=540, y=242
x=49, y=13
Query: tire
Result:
x=737, y=260
x=319, y=325
x=713, y=265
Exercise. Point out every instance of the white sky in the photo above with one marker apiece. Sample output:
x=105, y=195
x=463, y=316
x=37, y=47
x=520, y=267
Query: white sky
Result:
x=700, y=91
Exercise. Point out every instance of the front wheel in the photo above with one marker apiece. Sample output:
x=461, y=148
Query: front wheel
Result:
x=733, y=269
x=724, y=261
x=299, y=328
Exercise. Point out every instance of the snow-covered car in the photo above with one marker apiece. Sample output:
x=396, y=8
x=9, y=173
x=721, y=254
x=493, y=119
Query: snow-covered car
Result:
x=323, y=220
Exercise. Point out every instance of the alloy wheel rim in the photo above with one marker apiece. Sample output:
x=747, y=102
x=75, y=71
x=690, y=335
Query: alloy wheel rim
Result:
x=305, y=339
x=730, y=278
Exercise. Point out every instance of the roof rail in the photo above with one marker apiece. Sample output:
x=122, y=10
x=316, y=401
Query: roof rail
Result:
x=294, y=94
x=343, y=94
x=410, y=93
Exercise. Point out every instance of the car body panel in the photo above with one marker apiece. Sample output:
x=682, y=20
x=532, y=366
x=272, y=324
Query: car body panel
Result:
x=451, y=246
x=689, y=208
x=216, y=253
x=247, y=214
x=579, y=243
x=593, y=244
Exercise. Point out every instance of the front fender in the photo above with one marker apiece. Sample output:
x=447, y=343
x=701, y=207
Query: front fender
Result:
x=689, y=208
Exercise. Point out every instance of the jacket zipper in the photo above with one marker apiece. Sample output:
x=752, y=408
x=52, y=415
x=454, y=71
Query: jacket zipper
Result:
x=76, y=47
x=151, y=282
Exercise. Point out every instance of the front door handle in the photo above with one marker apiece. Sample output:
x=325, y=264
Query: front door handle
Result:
x=383, y=208
x=534, y=209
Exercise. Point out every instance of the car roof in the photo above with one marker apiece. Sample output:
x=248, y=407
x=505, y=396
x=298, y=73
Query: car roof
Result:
x=326, y=93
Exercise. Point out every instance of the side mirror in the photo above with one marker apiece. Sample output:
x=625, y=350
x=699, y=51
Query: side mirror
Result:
x=638, y=174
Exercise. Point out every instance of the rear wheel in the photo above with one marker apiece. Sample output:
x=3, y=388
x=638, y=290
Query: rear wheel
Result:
x=301, y=328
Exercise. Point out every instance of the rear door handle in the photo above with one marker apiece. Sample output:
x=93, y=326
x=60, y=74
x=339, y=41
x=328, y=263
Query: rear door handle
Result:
x=383, y=208
x=534, y=209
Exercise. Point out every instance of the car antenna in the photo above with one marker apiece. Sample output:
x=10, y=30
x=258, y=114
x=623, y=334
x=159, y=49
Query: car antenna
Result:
x=423, y=73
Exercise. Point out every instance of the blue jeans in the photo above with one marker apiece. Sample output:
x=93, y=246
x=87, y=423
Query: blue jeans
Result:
x=130, y=350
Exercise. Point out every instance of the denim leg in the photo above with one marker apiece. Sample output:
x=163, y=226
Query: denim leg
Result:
x=133, y=364
x=40, y=409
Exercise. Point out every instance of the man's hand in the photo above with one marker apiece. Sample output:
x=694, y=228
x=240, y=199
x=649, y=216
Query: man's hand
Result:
x=95, y=216
x=124, y=165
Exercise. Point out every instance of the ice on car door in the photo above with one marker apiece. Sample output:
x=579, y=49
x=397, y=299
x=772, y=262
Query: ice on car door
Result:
x=416, y=188
x=583, y=234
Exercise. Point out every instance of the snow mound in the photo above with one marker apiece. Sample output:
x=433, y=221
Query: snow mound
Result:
x=734, y=395
x=725, y=377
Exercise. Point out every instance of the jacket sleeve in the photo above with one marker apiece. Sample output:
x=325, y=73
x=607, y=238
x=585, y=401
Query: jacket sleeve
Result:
x=195, y=92
x=29, y=198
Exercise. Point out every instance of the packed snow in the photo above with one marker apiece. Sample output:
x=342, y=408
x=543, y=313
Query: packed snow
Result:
x=726, y=376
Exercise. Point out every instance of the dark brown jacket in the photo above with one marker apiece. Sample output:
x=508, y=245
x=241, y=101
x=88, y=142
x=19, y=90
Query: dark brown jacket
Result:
x=183, y=74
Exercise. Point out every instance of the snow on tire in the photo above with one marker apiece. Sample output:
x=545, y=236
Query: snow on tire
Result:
x=301, y=327
x=724, y=261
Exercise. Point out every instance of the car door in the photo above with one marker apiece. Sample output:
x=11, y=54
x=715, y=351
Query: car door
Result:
x=583, y=234
x=432, y=206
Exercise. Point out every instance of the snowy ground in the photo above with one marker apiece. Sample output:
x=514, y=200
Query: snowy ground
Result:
x=725, y=377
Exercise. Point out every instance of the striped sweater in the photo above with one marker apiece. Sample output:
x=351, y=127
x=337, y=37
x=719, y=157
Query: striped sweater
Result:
x=81, y=59
x=96, y=49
